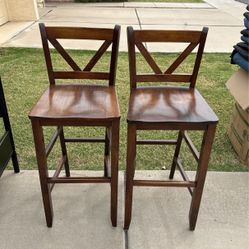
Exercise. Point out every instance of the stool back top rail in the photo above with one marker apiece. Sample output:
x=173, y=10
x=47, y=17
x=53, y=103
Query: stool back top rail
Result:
x=78, y=104
x=7, y=146
x=180, y=108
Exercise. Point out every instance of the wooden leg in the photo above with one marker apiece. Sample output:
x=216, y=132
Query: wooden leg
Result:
x=177, y=151
x=130, y=169
x=201, y=174
x=114, y=170
x=107, y=152
x=64, y=152
x=43, y=171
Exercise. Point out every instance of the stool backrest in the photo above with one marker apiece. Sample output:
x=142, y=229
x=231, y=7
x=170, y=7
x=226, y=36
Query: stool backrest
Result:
x=136, y=38
x=109, y=36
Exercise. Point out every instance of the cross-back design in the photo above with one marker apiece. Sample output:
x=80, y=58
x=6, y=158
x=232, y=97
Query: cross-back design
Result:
x=138, y=37
x=109, y=36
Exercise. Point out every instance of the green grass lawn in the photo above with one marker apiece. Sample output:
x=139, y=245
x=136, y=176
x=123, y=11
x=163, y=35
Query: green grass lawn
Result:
x=24, y=77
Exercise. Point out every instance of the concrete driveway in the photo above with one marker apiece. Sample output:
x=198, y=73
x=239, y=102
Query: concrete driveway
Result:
x=223, y=17
x=160, y=215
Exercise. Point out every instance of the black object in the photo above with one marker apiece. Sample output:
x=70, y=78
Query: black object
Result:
x=7, y=146
x=245, y=32
x=246, y=15
x=243, y=45
x=241, y=51
x=242, y=48
x=232, y=55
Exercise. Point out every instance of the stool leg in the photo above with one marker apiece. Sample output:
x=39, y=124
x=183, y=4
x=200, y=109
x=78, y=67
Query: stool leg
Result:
x=107, y=151
x=114, y=170
x=14, y=156
x=177, y=151
x=15, y=162
x=206, y=147
x=43, y=171
x=130, y=169
x=64, y=152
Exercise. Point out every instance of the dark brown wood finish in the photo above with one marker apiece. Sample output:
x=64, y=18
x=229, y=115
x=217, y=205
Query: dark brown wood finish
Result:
x=179, y=108
x=114, y=56
x=168, y=104
x=136, y=39
x=109, y=36
x=97, y=56
x=70, y=102
x=81, y=75
x=130, y=171
x=107, y=153
x=78, y=105
x=199, y=56
x=176, y=155
x=148, y=58
x=167, y=36
x=200, y=177
x=181, y=58
x=46, y=52
x=43, y=171
x=132, y=57
x=80, y=33
x=64, y=151
x=65, y=55
x=114, y=170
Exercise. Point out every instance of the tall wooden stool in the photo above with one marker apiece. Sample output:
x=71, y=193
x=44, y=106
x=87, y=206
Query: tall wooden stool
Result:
x=78, y=105
x=7, y=145
x=168, y=108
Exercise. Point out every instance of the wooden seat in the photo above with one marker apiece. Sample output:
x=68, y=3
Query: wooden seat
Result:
x=169, y=104
x=7, y=145
x=180, y=108
x=86, y=102
x=78, y=105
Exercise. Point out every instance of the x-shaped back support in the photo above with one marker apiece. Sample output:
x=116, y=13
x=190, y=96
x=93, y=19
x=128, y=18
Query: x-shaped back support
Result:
x=110, y=36
x=136, y=38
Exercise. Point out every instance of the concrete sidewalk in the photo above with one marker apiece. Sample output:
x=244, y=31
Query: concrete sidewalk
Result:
x=223, y=17
x=160, y=215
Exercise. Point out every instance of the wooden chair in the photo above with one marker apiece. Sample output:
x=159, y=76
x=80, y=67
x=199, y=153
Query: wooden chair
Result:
x=78, y=105
x=168, y=108
x=7, y=145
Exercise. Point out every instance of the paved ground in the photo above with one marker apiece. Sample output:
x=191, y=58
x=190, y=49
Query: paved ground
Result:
x=160, y=215
x=223, y=17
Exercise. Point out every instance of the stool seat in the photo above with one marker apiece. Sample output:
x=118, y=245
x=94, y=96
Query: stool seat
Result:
x=88, y=102
x=169, y=104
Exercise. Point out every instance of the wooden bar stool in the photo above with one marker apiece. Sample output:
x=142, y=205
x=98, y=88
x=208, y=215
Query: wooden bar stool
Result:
x=78, y=105
x=7, y=145
x=168, y=108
